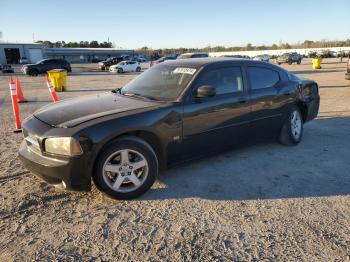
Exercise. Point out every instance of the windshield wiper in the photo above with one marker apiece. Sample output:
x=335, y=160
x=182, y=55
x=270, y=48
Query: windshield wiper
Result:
x=117, y=90
x=140, y=96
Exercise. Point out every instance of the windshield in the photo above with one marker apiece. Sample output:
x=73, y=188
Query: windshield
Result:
x=161, y=82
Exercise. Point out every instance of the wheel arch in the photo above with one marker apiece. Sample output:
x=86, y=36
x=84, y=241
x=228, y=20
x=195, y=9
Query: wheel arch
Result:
x=148, y=136
x=303, y=110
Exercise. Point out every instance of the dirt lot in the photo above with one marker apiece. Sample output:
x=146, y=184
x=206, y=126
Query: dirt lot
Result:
x=259, y=202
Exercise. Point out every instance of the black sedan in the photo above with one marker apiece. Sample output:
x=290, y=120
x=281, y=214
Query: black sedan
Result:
x=173, y=112
x=45, y=65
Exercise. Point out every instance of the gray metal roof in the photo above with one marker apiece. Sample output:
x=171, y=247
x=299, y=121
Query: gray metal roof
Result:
x=15, y=43
x=81, y=51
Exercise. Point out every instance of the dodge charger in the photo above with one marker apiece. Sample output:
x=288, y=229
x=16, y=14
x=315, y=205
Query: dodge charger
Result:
x=173, y=112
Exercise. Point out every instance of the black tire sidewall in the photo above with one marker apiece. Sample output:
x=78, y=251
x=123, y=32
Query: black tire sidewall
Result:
x=134, y=144
x=33, y=72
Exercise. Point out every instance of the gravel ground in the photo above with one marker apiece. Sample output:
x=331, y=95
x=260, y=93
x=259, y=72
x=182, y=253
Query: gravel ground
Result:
x=263, y=202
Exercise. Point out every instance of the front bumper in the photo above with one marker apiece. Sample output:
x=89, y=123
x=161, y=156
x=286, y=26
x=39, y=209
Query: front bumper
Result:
x=113, y=70
x=68, y=173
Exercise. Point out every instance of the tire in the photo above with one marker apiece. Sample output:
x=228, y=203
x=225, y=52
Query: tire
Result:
x=290, y=62
x=279, y=63
x=299, y=61
x=33, y=72
x=138, y=69
x=124, y=188
x=292, y=132
x=120, y=70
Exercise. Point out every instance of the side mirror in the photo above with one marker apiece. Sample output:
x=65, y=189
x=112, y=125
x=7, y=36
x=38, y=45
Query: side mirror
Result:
x=206, y=91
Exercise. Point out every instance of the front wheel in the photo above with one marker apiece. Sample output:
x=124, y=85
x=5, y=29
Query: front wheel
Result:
x=126, y=169
x=138, y=69
x=292, y=130
x=120, y=70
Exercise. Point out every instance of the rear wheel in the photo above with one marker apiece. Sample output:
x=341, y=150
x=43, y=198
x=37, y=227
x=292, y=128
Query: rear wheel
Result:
x=126, y=169
x=299, y=61
x=138, y=69
x=290, y=62
x=33, y=72
x=120, y=70
x=292, y=130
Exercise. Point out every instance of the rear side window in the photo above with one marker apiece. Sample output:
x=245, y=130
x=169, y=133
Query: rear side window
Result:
x=261, y=77
x=225, y=80
x=199, y=55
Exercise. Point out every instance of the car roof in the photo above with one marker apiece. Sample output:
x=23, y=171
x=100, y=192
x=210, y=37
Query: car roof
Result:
x=201, y=62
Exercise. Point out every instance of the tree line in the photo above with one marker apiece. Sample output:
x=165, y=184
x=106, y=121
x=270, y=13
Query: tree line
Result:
x=249, y=47
x=81, y=44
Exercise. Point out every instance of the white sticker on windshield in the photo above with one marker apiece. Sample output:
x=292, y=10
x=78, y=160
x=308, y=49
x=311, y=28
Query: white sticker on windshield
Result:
x=184, y=70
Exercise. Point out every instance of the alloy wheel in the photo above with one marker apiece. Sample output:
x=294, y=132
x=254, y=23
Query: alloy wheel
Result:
x=125, y=170
x=296, y=124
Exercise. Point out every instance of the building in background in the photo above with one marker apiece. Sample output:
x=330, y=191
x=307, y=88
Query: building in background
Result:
x=86, y=55
x=11, y=53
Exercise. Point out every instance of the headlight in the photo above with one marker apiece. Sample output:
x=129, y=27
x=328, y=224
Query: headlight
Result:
x=67, y=146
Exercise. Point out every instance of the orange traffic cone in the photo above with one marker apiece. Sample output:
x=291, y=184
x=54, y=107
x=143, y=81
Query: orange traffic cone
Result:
x=15, y=107
x=51, y=89
x=20, y=96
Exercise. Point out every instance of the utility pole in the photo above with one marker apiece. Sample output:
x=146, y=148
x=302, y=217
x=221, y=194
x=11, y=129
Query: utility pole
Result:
x=33, y=37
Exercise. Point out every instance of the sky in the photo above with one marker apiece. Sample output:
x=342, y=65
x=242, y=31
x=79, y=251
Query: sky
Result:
x=172, y=24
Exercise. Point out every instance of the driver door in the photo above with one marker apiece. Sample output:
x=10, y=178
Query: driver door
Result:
x=212, y=123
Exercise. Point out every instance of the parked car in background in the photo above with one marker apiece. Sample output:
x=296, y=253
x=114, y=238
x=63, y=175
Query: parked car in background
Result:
x=312, y=54
x=104, y=65
x=24, y=60
x=125, y=66
x=45, y=65
x=326, y=53
x=263, y=58
x=193, y=55
x=175, y=111
x=237, y=56
x=141, y=59
x=7, y=68
x=347, y=74
x=343, y=54
x=96, y=60
x=289, y=58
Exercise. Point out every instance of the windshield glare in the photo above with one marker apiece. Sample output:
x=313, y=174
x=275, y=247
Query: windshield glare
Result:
x=161, y=82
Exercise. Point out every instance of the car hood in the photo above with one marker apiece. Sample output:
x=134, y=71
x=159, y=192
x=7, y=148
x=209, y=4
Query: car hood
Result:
x=72, y=112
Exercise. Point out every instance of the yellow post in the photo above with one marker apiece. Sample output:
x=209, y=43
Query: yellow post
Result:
x=316, y=63
x=58, y=79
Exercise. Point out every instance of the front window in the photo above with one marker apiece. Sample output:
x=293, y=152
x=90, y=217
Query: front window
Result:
x=225, y=80
x=162, y=82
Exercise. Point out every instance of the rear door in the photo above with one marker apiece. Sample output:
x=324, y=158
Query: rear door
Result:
x=215, y=122
x=266, y=100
